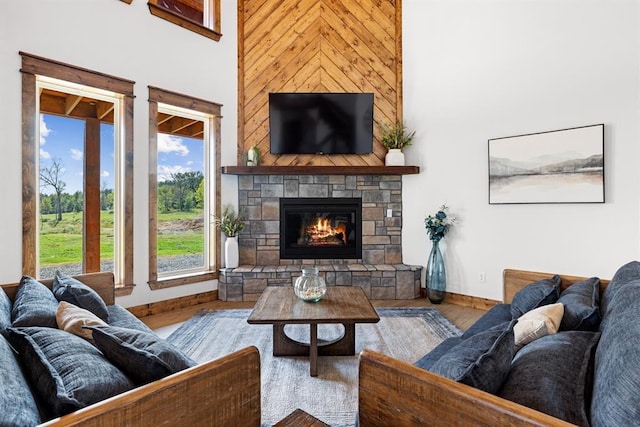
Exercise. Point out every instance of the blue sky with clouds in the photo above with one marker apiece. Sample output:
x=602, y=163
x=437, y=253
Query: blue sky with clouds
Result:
x=63, y=138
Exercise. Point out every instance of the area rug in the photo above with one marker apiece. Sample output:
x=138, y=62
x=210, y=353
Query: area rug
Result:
x=404, y=333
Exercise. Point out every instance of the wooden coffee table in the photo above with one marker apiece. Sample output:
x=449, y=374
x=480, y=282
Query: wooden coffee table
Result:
x=346, y=305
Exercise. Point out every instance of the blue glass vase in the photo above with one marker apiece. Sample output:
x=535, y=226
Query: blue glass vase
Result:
x=436, y=275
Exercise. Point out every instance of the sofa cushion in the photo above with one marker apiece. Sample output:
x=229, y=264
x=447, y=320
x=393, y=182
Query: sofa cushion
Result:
x=123, y=318
x=67, y=372
x=581, y=311
x=627, y=275
x=617, y=379
x=427, y=361
x=68, y=289
x=534, y=295
x=34, y=305
x=143, y=356
x=18, y=408
x=482, y=360
x=496, y=315
x=537, y=323
x=5, y=310
x=73, y=319
x=553, y=375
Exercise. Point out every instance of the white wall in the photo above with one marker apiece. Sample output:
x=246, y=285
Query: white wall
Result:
x=481, y=69
x=126, y=41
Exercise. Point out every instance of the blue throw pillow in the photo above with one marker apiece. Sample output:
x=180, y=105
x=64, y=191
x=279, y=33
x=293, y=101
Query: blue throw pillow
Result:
x=615, y=399
x=66, y=371
x=534, y=295
x=553, y=375
x=144, y=356
x=73, y=291
x=581, y=311
x=34, y=305
x=17, y=405
x=5, y=310
x=496, y=315
x=481, y=361
x=429, y=359
x=627, y=275
x=123, y=318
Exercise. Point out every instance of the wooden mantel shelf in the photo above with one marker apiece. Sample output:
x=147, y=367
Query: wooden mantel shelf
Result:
x=320, y=170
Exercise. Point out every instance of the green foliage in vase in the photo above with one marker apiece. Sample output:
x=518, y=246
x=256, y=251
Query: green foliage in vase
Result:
x=439, y=224
x=396, y=135
x=231, y=223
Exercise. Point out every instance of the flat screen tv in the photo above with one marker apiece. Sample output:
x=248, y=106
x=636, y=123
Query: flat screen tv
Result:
x=321, y=123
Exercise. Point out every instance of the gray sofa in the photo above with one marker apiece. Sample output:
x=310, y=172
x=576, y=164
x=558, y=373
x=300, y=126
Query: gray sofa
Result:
x=49, y=372
x=585, y=374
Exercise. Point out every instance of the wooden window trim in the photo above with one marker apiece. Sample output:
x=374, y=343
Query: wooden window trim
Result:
x=33, y=66
x=157, y=95
x=187, y=23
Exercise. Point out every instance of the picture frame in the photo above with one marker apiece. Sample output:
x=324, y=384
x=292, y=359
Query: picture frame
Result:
x=560, y=166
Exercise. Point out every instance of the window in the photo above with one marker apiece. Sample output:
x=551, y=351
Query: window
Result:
x=184, y=146
x=200, y=16
x=77, y=171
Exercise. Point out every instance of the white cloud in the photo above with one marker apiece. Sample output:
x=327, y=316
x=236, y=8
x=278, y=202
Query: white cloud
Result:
x=104, y=173
x=44, y=131
x=76, y=154
x=165, y=171
x=44, y=154
x=171, y=144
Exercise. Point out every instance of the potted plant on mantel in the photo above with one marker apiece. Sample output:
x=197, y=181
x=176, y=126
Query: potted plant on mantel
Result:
x=231, y=224
x=395, y=136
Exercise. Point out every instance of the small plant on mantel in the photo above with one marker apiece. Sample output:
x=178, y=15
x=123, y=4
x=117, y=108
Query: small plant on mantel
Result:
x=230, y=223
x=395, y=136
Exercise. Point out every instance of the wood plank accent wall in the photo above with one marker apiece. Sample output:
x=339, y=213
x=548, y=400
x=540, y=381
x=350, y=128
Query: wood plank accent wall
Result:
x=317, y=46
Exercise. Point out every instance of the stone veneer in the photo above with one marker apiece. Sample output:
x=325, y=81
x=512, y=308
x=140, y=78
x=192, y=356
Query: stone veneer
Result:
x=380, y=272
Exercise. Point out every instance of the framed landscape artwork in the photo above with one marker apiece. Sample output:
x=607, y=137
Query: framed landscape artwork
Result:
x=562, y=166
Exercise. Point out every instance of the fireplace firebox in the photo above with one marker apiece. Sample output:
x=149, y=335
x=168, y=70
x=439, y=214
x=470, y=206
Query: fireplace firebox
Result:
x=320, y=228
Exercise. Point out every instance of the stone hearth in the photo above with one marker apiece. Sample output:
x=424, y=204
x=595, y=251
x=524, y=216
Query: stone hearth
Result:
x=380, y=272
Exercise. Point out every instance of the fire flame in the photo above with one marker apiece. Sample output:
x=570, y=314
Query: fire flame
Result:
x=322, y=230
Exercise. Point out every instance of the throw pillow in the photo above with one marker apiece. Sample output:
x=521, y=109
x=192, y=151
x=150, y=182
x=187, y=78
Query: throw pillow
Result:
x=144, y=356
x=496, y=315
x=122, y=318
x=553, y=375
x=617, y=381
x=34, y=305
x=534, y=295
x=537, y=323
x=581, y=312
x=71, y=290
x=67, y=372
x=17, y=405
x=482, y=360
x=5, y=310
x=72, y=319
x=429, y=359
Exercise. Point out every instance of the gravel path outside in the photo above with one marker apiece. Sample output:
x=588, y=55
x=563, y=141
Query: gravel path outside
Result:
x=165, y=264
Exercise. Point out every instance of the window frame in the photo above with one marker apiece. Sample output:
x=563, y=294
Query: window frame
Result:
x=212, y=32
x=161, y=96
x=32, y=67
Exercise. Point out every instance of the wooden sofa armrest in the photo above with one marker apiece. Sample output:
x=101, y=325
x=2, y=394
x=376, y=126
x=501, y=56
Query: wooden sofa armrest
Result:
x=222, y=392
x=395, y=393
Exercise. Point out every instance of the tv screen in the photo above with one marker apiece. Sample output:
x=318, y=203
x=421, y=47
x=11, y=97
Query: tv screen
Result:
x=321, y=123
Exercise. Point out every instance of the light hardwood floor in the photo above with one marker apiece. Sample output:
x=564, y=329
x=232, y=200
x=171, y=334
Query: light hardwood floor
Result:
x=461, y=316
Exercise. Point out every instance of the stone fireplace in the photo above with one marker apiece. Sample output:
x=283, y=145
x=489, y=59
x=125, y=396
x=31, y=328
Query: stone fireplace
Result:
x=377, y=266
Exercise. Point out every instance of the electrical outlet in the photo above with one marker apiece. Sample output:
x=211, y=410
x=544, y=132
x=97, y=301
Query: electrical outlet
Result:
x=389, y=213
x=482, y=277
